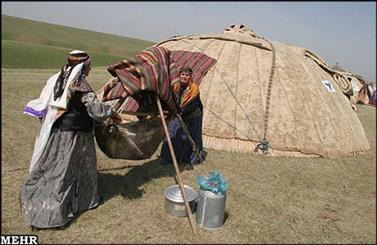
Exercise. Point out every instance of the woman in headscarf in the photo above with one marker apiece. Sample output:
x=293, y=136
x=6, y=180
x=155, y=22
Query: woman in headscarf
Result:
x=62, y=180
x=187, y=96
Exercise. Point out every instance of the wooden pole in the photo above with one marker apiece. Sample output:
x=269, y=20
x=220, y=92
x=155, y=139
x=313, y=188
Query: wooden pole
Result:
x=194, y=148
x=178, y=177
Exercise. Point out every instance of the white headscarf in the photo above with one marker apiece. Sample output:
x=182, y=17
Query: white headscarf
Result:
x=46, y=108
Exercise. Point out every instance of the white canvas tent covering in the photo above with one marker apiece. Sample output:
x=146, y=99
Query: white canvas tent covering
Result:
x=265, y=90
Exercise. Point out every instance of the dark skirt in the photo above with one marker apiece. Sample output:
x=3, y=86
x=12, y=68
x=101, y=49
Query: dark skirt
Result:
x=181, y=144
x=63, y=182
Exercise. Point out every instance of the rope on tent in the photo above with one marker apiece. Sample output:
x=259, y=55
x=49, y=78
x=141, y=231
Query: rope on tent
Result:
x=230, y=125
x=343, y=83
x=264, y=145
x=191, y=37
x=228, y=87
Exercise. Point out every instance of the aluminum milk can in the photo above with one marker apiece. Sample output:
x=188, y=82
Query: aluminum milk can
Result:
x=210, y=209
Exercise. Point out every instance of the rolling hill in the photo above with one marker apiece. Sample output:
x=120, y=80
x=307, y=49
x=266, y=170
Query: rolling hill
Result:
x=33, y=44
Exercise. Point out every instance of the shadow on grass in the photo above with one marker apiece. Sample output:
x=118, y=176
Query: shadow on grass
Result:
x=128, y=185
x=226, y=216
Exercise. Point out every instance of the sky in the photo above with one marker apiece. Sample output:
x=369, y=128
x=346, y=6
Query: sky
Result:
x=343, y=32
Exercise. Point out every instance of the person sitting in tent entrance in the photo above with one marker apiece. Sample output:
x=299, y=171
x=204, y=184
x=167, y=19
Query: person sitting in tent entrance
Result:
x=186, y=93
x=62, y=179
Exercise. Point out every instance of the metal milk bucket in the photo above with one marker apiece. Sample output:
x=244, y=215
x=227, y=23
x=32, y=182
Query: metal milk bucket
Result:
x=210, y=210
x=174, y=203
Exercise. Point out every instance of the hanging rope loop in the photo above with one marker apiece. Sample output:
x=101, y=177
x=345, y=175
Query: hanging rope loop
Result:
x=264, y=146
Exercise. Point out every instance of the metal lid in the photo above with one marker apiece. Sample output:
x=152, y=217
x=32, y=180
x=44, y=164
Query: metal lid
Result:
x=173, y=193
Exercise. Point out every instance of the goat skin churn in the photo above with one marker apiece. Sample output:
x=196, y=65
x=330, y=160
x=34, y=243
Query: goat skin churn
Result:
x=210, y=210
x=134, y=140
x=174, y=203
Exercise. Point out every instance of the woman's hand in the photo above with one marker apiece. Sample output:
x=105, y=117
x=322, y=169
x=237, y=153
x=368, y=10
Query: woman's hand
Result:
x=117, y=118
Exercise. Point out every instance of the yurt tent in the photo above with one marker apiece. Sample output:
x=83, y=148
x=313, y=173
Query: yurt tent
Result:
x=361, y=91
x=272, y=97
x=365, y=92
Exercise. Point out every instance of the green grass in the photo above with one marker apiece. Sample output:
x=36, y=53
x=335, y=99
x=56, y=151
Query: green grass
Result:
x=33, y=44
x=270, y=199
x=26, y=55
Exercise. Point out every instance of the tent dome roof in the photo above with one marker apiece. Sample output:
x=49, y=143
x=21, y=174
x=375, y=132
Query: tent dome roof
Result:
x=266, y=90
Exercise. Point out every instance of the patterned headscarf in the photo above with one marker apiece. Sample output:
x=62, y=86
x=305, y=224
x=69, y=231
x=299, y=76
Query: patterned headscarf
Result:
x=74, y=57
x=186, y=68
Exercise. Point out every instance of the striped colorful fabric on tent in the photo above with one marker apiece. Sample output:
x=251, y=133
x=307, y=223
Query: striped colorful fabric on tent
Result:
x=199, y=63
x=152, y=70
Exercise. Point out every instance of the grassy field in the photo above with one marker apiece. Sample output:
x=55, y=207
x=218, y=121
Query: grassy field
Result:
x=270, y=199
x=34, y=44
